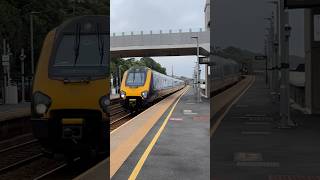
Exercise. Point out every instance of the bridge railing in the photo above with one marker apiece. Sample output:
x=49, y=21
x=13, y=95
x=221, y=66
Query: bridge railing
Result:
x=158, y=39
x=163, y=31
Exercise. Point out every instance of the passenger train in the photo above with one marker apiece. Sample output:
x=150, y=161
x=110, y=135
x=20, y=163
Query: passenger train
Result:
x=226, y=72
x=141, y=86
x=71, y=89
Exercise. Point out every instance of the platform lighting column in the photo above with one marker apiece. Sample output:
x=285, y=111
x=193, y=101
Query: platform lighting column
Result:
x=31, y=41
x=276, y=46
x=22, y=57
x=4, y=71
x=198, y=69
x=275, y=65
x=266, y=63
x=284, y=50
x=271, y=54
x=270, y=57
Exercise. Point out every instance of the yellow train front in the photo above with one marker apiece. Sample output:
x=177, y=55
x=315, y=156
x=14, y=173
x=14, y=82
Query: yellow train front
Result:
x=71, y=89
x=141, y=86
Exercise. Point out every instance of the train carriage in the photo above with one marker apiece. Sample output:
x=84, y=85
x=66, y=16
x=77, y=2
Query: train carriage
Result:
x=141, y=86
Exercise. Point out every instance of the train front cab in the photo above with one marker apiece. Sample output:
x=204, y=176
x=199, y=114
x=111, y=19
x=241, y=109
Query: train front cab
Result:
x=71, y=89
x=136, y=90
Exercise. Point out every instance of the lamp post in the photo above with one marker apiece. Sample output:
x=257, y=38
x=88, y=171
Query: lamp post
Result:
x=284, y=33
x=31, y=41
x=22, y=57
x=198, y=69
x=276, y=54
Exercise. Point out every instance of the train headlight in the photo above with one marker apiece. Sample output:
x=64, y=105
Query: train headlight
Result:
x=122, y=94
x=41, y=108
x=144, y=94
x=104, y=103
x=41, y=103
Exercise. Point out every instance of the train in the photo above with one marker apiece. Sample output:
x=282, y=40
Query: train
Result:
x=141, y=86
x=226, y=72
x=70, y=92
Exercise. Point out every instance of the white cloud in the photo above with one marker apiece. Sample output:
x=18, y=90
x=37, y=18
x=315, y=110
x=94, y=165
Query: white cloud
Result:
x=146, y=15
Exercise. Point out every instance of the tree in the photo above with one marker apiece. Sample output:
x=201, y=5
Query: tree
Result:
x=149, y=62
x=15, y=23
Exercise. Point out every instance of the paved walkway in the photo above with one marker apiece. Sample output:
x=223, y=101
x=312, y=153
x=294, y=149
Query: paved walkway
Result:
x=182, y=150
x=249, y=145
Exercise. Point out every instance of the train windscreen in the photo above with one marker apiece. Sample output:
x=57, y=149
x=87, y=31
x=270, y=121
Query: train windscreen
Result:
x=85, y=50
x=81, y=49
x=136, y=78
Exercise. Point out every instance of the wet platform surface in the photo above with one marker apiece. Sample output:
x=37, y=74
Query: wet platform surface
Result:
x=183, y=148
x=11, y=111
x=249, y=145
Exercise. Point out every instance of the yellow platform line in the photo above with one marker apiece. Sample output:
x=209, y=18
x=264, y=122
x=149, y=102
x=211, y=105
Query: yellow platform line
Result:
x=216, y=125
x=146, y=153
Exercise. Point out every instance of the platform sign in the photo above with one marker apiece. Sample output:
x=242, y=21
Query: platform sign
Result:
x=204, y=60
x=295, y=4
x=260, y=57
x=5, y=60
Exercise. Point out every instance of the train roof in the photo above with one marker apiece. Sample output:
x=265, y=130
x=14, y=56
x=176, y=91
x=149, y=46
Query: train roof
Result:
x=147, y=68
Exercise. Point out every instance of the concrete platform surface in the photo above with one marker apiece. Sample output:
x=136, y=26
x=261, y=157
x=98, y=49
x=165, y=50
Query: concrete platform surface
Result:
x=182, y=149
x=249, y=145
x=11, y=111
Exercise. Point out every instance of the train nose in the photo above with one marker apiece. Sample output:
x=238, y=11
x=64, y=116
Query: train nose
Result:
x=72, y=132
x=67, y=133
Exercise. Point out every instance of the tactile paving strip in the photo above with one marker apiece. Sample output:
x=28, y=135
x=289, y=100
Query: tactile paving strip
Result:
x=255, y=132
x=284, y=177
x=246, y=156
x=258, y=164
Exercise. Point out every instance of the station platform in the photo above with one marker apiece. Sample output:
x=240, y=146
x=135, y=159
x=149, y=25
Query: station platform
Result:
x=114, y=96
x=12, y=111
x=248, y=143
x=176, y=146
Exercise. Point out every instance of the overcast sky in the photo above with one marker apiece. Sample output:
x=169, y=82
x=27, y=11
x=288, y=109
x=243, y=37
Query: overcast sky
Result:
x=237, y=23
x=146, y=15
x=241, y=23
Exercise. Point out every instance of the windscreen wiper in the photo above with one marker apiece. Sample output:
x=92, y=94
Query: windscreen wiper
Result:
x=100, y=44
x=77, y=43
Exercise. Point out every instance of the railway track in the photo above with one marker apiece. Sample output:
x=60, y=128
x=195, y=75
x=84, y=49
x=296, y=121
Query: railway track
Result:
x=19, y=154
x=118, y=115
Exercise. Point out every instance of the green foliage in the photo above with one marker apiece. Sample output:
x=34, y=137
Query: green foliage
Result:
x=125, y=64
x=15, y=22
x=149, y=62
